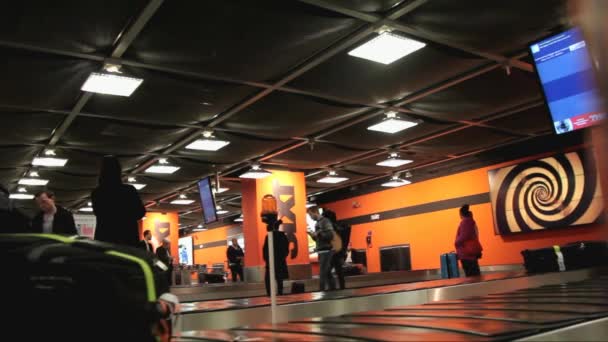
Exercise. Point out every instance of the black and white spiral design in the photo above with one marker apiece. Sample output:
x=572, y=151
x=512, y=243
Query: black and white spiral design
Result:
x=553, y=192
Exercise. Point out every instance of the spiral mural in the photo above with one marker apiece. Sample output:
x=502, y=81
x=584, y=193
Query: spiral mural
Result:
x=554, y=192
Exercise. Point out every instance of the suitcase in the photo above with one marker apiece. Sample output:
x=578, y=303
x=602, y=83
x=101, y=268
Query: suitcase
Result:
x=582, y=254
x=351, y=270
x=297, y=287
x=79, y=289
x=541, y=260
x=214, y=278
x=449, y=266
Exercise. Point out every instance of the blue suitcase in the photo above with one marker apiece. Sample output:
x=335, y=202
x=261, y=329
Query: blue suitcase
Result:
x=449, y=266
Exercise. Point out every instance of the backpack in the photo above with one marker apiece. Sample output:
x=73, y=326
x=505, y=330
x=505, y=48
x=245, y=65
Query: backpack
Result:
x=336, y=242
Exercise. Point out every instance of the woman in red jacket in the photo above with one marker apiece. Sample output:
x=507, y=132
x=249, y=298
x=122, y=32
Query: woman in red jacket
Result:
x=467, y=243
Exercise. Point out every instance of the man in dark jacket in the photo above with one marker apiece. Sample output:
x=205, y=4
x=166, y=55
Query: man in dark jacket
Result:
x=323, y=235
x=235, y=256
x=145, y=244
x=163, y=253
x=52, y=218
x=281, y=251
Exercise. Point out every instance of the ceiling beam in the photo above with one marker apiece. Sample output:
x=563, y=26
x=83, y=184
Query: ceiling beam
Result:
x=391, y=21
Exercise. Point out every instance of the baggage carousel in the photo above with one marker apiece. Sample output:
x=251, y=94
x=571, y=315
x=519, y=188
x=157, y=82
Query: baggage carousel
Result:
x=569, y=305
x=230, y=290
x=231, y=313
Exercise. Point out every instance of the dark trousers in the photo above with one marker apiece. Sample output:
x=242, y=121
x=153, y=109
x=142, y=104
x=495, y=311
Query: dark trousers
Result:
x=326, y=280
x=237, y=272
x=267, y=284
x=337, y=262
x=471, y=267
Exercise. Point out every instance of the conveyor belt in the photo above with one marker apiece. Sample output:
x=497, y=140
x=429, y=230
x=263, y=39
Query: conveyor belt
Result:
x=239, y=290
x=225, y=314
x=473, y=318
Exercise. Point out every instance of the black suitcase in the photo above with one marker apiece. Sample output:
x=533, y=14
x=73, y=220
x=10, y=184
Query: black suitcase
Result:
x=582, y=254
x=540, y=260
x=297, y=287
x=351, y=270
x=78, y=289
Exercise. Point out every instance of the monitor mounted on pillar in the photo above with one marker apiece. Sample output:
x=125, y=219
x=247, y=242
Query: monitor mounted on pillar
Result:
x=565, y=70
x=207, y=200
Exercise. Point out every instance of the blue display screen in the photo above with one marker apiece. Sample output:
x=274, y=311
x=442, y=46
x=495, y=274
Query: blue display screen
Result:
x=207, y=200
x=566, y=74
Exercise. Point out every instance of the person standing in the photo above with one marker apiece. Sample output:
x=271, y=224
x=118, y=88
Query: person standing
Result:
x=339, y=257
x=52, y=218
x=281, y=251
x=11, y=219
x=163, y=253
x=468, y=247
x=323, y=235
x=235, y=256
x=117, y=206
x=145, y=244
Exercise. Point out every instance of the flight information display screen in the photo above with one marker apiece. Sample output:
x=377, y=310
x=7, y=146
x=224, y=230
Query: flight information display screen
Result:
x=207, y=200
x=565, y=69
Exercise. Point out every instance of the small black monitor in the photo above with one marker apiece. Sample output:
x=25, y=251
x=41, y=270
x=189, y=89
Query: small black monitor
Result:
x=207, y=200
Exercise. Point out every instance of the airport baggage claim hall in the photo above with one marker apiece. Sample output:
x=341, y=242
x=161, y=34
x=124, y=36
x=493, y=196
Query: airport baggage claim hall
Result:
x=304, y=170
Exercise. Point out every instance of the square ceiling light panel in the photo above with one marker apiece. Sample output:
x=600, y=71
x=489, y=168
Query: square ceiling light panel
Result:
x=386, y=48
x=392, y=124
x=111, y=84
x=207, y=144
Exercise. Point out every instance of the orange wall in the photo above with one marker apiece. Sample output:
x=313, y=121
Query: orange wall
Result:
x=431, y=234
x=152, y=218
x=254, y=229
x=211, y=255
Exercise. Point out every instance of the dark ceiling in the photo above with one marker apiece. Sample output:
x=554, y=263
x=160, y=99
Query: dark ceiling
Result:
x=274, y=78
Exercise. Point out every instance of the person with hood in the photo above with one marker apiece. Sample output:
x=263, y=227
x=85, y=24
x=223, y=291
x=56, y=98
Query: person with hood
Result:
x=468, y=247
x=117, y=206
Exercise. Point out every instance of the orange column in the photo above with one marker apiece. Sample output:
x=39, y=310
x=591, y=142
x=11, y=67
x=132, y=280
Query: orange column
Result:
x=162, y=225
x=289, y=188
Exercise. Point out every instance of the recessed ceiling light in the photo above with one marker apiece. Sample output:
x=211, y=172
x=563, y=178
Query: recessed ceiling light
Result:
x=220, y=190
x=133, y=182
x=33, y=181
x=387, y=48
x=310, y=205
x=49, y=161
x=163, y=166
x=200, y=226
x=21, y=196
x=239, y=219
x=182, y=200
x=221, y=211
x=332, y=178
x=207, y=144
x=395, y=182
x=256, y=172
x=394, y=161
x=86, y=209
x=392, y=124
x=111, y=84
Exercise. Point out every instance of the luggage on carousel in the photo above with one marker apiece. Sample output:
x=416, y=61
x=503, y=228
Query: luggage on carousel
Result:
x=297, y=287
x=583, y=254
x=80, y=289
x=352, y=269
x=541, y=260
x=214, y=278
x=449, y=265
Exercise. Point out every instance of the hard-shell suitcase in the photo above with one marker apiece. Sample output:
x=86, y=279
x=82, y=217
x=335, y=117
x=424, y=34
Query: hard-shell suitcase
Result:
x=79, y=289
x=297, y=287
x=449, y=266
x=582, y=254
x=541, y=260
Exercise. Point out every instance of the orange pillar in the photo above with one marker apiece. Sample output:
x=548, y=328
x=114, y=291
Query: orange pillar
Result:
x=289, y=188
x=162, y=225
